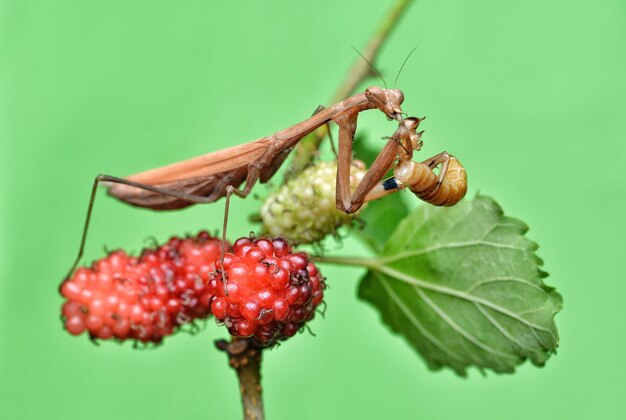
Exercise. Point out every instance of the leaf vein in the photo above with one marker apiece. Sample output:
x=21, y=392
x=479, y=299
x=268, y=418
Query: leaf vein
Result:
x=459, y=294
x=502, y=279
x=420, y=327
x=459, y=329
x=449, y=245
x=501, y=328
x=497, y=225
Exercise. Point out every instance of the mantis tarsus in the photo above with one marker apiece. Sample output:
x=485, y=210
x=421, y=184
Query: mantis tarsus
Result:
x=206, y=178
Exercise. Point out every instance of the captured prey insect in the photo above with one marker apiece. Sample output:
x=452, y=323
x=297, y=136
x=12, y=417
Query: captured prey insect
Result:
x=445, y=189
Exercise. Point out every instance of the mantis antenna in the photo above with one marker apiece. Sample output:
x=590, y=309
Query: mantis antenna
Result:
x=371, y=65
x=402, y=66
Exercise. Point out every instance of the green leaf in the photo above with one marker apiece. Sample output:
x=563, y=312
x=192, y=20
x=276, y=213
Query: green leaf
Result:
x=380, y=216
x=463, y=286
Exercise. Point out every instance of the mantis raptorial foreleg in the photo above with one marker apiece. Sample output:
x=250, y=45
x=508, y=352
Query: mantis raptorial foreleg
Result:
x=350, y=202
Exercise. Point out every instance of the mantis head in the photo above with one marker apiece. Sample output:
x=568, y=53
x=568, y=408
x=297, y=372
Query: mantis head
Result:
x=387, y=100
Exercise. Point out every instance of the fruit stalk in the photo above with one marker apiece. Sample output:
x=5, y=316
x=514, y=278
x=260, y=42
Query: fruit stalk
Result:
x=370, y=263
x=245, y=358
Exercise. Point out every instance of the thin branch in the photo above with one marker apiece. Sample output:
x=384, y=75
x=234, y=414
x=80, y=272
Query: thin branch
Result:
x=361, y=70
x=245, y=358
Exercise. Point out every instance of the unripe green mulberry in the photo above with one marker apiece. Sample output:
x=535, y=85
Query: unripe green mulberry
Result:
x=303, y=210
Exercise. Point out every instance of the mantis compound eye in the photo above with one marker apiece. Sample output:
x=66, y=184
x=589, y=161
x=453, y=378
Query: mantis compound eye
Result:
x=376, y=94
x=396, y=96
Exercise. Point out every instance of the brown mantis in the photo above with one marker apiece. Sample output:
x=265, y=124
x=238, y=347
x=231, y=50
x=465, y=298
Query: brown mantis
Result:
x=206, y=178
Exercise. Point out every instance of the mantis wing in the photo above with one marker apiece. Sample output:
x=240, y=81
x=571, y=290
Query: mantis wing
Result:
x=206, y=176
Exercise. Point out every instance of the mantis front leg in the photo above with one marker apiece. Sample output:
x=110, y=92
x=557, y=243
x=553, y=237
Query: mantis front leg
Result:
x=348, y=201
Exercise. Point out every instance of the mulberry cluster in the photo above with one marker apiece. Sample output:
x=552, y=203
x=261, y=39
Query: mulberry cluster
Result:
x=143, y=298
x=271, y=292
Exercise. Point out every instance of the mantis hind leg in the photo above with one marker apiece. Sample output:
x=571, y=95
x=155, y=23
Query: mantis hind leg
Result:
x=112, y=179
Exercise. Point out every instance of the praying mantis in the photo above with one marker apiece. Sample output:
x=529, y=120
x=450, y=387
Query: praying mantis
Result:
x=207, y=178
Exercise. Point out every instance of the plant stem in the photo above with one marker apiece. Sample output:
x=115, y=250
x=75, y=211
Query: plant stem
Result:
x=360, y=69
x=306, y=149
x=245, y=358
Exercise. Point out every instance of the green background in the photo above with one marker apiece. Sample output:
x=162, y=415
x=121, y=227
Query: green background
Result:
x=530, y=94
